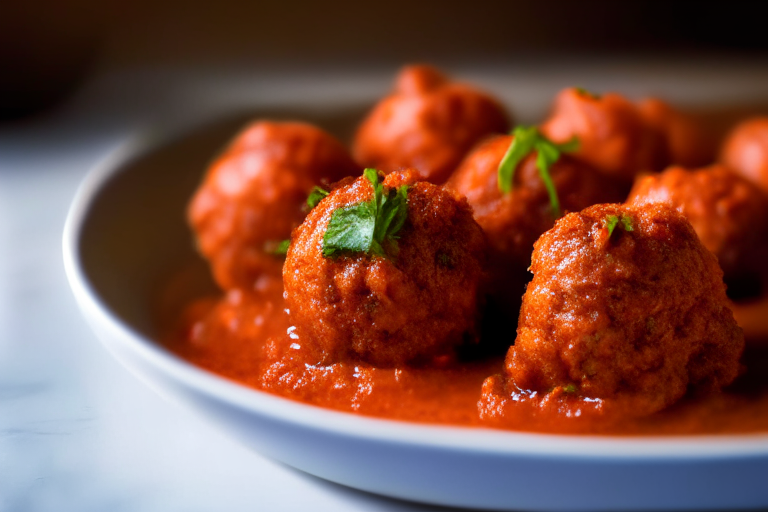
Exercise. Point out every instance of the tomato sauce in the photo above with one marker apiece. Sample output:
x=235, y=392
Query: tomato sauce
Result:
x=248, y=338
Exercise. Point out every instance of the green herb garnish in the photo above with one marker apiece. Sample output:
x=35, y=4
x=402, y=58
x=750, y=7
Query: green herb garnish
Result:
x=367, y=227
x=527, y=139
x=569, y=388
x=281, y=249
x=315, y=196
x=589, y=94
x=611, y=221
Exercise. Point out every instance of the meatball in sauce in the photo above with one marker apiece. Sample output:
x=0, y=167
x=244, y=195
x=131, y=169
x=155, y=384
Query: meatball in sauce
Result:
x=428, y=124
x=254, y=193
x=728, y=213
x=613, y=136
x=626, y=313
x=415, y=303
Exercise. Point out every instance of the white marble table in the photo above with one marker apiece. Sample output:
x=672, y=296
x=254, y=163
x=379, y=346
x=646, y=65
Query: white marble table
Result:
x=77, y=431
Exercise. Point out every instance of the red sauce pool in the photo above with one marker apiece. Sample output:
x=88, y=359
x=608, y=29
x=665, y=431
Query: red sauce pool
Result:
x=249, y=339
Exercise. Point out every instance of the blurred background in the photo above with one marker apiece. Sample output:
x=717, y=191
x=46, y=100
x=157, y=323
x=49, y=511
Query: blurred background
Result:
x=49, y=48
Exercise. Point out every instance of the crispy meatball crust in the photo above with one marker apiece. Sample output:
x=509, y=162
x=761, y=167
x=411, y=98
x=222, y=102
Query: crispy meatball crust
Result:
x=254, y=195
x=428, y=123
x=613, y=136
x=413, y=308
x=630, y=320
x=728, y=212
x=745, y=151
x=513, y=222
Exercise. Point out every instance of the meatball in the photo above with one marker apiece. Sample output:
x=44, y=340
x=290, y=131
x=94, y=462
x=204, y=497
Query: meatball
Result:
x=626, y=312
x=428, y=124
x=613, y=136
x=687, y=140
x=253, y=196
x=745, y=151
x=414, y=305
x=515, y=220
x=729, y=213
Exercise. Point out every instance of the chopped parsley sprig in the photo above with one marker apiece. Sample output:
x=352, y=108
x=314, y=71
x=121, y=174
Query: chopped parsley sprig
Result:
x=587, y=93
x=281, y=248
x=317, y=194
x=369, y=226
x=527, y=139
x=611, y=221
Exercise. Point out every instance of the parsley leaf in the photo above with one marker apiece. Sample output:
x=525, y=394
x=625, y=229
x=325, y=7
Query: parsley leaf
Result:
x=627, y=223
x=278, y=248
x=589, y=94
x=367, y=227
x=611, y=221
x=350, y=229
x=315, y=196
x=527, y=139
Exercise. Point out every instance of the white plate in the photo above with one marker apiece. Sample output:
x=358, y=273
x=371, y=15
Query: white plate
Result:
x=125, y=232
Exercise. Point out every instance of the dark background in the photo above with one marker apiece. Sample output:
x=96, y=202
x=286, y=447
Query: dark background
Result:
x=49, y=47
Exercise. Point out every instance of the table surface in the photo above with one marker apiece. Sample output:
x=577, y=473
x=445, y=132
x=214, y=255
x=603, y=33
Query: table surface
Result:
x=77, y=431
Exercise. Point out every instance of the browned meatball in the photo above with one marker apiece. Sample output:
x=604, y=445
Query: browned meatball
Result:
x=626, y=320
x=729, y=213
x=613, y=136
x=689, y=142
x=253, y=196
x=428, y=123
x=745, y=151
x=514, y=221
x=413, y=305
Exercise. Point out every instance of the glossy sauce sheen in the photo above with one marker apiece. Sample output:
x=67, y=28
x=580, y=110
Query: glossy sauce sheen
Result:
x=248, y=338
